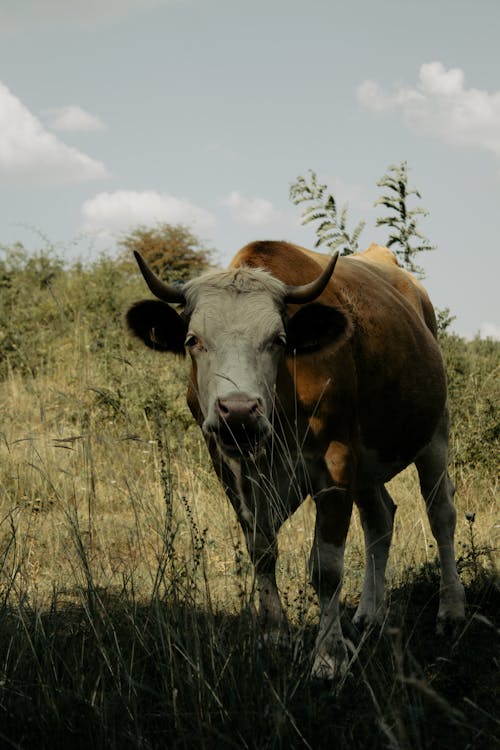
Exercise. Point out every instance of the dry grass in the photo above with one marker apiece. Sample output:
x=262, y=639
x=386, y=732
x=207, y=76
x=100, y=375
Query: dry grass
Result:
x=73, y=468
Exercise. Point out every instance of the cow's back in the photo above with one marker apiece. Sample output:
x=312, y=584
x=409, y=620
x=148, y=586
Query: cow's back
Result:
x=373, y=271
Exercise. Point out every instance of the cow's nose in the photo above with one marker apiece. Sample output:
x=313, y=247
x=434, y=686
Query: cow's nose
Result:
x=238, y=411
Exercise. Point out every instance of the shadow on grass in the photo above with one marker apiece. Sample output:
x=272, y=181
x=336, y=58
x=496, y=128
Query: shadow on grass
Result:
x=115, y=673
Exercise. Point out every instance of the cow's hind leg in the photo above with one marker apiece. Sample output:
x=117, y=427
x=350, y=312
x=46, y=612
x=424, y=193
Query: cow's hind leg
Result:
x=438, y=490
x=376, y=510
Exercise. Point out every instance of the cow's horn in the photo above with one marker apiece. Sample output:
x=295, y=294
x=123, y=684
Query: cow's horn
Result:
x=165, y=292
x=308, y=292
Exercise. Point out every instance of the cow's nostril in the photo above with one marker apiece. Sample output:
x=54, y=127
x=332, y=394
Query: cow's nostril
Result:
x=222, y=408
x=253, y=408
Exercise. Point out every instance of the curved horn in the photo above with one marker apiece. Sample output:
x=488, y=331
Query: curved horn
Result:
x=165, y=292
x=308, y=292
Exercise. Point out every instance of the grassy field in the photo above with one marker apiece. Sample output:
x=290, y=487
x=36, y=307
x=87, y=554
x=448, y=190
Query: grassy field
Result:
x=126, y=614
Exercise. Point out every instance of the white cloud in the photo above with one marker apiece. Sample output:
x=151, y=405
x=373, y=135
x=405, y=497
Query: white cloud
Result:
x=252, y=211
x=109, y=213
x=72, y=118
x=440, y=104
x=490, y=331
x=50, y=14
x=28, y=151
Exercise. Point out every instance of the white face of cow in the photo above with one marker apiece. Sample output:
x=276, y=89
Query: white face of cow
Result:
x=233, y=328
x=236, y=339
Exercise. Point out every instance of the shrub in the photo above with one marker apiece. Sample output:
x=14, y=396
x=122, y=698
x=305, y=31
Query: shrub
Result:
x=171, y=250
x=472, y=369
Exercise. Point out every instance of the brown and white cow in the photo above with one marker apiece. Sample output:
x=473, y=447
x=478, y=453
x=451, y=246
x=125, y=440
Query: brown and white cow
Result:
x=306, y=381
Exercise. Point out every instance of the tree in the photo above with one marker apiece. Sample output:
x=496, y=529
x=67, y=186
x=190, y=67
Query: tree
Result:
x=171, y=250
x=332, y=230
x=402, y=222
x=444, y=319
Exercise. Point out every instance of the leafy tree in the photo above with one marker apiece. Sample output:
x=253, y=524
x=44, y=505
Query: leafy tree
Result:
x=402, y=222
x=444, y=319
x=171, y=250
x=332, y=230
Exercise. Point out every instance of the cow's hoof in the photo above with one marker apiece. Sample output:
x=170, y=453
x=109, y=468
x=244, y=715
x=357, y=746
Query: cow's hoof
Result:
x=274, y=638
x=330, y=667
x=364, y=621
x=450, y=628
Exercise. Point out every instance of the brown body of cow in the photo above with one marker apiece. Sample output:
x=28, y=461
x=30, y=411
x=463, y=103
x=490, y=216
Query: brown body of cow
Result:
x=304, y=382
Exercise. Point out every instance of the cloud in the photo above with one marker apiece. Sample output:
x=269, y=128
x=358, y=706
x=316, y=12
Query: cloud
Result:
x=29, y=152
x=441, y=105
x=109, y=213
x=252, y=211
x=490, y=331
x=50, y=14
x=72, y=118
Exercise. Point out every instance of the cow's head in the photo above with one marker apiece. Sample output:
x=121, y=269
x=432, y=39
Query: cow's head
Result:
x=234, y=326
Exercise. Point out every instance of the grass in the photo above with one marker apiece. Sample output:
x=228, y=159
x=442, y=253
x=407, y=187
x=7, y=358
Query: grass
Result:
x=126, y=600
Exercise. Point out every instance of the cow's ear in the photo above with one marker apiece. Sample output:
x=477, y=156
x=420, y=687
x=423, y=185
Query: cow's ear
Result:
x=158, y=325
x=316, y=327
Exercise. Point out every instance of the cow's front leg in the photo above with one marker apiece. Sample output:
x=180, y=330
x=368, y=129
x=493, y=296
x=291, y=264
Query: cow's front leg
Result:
x=263, y=550
x=254, y=511
x=333, y=513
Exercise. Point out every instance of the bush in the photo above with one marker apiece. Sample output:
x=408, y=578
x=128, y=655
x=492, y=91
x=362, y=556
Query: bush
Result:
x=30, y=315
x=472, y=369
x=172, y=251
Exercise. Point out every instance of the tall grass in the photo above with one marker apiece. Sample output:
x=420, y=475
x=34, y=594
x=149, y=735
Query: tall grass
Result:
x=127, y=612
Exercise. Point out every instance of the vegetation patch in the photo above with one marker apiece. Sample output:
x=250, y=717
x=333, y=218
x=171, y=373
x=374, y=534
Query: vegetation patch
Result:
x=126, y=596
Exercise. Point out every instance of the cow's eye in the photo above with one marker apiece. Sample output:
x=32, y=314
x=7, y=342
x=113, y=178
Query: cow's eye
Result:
x=279, y=340
x=191, y=340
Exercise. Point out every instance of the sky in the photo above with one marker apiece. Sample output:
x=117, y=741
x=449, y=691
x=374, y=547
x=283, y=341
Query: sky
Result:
x=119, y=113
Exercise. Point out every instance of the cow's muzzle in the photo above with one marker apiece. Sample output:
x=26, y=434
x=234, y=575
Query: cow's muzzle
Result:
x=240, y=426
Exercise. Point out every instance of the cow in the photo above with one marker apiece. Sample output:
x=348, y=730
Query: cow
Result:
x=315, y=376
